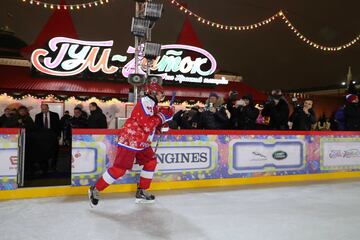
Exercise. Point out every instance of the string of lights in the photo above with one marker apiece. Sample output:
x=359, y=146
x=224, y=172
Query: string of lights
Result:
x=107, y=100
x=62, y=98
x=78, y=6
x=279, y=15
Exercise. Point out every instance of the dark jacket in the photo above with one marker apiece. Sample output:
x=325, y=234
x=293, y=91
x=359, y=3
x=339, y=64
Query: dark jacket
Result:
x=3, y=119
x=339, y=119
x=97, y=119
x=84, y=114
x=278, y=114
x=190, y=119
x=243, y=117
x=54, y=122
x=301, y=120
x=352, y=117
x=65, y=121
x=217, y=120
x=9, y=122
x=78, y=122
x=26, y=122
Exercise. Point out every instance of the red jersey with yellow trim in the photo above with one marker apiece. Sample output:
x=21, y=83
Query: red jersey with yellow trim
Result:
x=138, y=130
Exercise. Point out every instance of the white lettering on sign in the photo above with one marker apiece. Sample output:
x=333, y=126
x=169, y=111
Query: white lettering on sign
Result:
x=173, y=62
x=259, y=156
x=69, y=57
x=182, y=78
x=83, y=55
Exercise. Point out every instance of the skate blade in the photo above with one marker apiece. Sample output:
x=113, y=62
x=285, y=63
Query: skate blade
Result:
x=143, y=201
x=89, y=195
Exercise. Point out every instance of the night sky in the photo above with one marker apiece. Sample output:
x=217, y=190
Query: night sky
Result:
x=268, y=57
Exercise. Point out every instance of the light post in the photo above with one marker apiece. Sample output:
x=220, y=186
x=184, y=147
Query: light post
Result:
x=146, y=14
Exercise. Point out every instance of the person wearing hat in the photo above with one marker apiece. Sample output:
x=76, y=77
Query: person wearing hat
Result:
x=214, y=115
x=352, y=113
x=243, y=113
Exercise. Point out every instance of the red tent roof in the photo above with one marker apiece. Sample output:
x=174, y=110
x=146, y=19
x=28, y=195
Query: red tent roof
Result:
x=19, y=79
x=188, y=35
x=60, y=24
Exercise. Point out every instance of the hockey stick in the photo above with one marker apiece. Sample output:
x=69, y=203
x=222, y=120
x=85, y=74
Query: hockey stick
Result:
x=171, y=103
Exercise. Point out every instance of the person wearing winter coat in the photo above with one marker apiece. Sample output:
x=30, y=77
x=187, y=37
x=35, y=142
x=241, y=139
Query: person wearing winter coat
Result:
x=277, y=108
x=243, y=113
x=214, y=115
x=24, y=119
x=97, y=118
x=303, y=117
x=352, y=113
x=9, y=119
x=188, y=119
x=78, y=121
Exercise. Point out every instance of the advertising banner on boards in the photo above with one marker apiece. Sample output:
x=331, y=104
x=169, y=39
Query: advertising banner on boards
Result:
x=198, y=157
x=8, y=161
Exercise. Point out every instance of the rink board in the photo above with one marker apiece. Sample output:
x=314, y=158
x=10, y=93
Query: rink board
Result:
x=9, y=154
x=192, y=159
x=203, y=155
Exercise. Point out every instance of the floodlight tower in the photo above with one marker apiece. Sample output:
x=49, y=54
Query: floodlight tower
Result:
x=146, y=14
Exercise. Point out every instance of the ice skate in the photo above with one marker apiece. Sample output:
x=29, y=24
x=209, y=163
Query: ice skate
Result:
x=94, y=196
x=143, y=197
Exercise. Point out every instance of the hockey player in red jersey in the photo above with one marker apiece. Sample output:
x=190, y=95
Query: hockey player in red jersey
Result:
x=134, y=142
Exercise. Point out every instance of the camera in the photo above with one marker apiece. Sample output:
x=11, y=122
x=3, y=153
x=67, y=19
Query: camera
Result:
x=240, y=102
x=295, y=102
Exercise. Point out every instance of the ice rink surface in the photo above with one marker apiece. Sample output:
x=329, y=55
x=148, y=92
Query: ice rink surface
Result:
x=320, y=211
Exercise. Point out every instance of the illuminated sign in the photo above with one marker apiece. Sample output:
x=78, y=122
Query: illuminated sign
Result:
x=74, y=56
x=178, y=63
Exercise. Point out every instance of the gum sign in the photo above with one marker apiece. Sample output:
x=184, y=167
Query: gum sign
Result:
x=74, y=56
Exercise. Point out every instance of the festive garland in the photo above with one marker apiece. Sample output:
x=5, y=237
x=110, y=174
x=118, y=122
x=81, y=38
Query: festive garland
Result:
x=279, y=15
x=66, y=6
x=21, y=96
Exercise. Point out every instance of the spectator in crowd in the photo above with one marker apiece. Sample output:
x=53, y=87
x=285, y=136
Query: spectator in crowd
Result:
x=303, y=116
x=50, y=123
x=261, y=121
x=276, y=107
x=188, y=119
x=323, y=124
x=339, y=118
x=233, y=97
x=352, y=113
x=334, y=125
x=24, y=119
x=48, y=120
x=97, y=118
x=65, y=118
x=66, y=128
x=5, y=116
x=83, y=112
x=214, y=115
x=243, y=113
x=78, y=121
x=9, y=119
